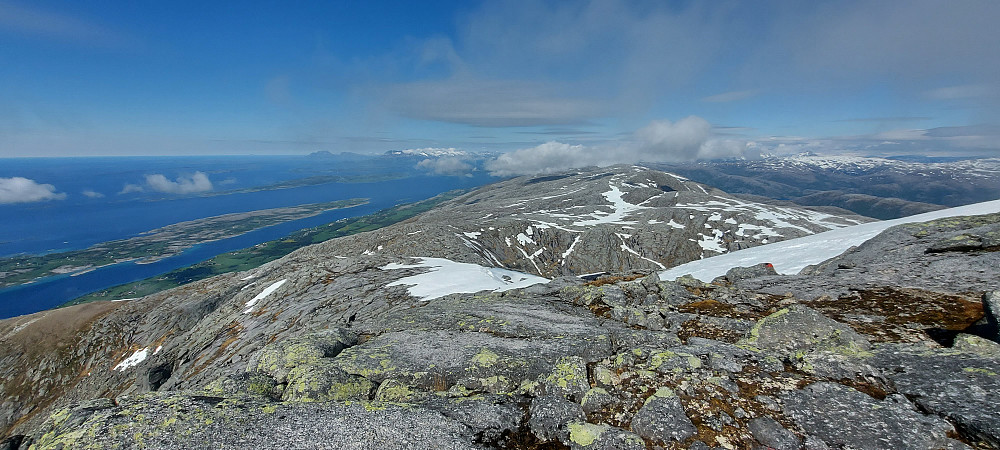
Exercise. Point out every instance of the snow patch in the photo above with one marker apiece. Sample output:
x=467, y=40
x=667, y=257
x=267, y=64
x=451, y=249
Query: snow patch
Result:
x=792, y=255
x=448, y=277
x=132, y=361
x=621, y=210
x=267, y=291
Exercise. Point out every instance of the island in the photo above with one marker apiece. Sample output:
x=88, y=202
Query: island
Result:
x=155, y=245
x=259, y=254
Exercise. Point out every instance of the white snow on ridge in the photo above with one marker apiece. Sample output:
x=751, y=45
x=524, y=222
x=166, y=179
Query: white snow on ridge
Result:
x=136, y=358
x=267, y=291
x=791, y=256
x=450, y=277
x=621, y=210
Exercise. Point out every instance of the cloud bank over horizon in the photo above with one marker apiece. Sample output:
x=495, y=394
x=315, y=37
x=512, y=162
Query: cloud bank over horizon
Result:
x=452, y=166
x=688, y=139
x=24, y=190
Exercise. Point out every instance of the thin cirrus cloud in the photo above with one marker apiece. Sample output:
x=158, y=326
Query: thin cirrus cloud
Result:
x=733, y=96
x=488, y=103
x=25, y=190
x=37, y=22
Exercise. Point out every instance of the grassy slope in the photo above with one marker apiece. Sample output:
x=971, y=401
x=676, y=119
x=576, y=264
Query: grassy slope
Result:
x=251, y=257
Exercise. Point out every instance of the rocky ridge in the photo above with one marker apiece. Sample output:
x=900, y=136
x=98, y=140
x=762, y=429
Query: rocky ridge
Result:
x=613, y=219
x=890, y=345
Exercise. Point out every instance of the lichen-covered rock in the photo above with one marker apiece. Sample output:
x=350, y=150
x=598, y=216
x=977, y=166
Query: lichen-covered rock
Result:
x=971, y=343
x=279, y=358
x=549, y=415
x=568, y=378
x=589, y=436
x=596, y=400
x=843, y=417
x=662, y=418
x=958, y=385
x=797, y=330
x=324, y=382
x=185, y=420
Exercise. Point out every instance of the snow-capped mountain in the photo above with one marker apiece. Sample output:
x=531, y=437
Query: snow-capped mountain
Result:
x=883, y=188
x=428, y=152
x=610, y=219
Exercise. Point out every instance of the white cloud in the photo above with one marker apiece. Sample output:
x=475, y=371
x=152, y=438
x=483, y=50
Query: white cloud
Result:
x=548, y=157
x=129, y=188
x=687, y=139
x=198, y=182
x=446, y=166
x=663, y=140
x=92, y=193
x=24, y=190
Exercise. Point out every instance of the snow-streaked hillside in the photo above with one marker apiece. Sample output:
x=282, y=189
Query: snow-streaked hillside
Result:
x=791, y=256
x=615, y=219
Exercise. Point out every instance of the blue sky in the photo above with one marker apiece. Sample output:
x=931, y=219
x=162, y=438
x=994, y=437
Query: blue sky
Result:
x=661, y=80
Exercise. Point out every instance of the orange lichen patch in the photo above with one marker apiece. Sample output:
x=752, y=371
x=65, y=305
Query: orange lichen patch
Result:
x=904, y=315
x=697, y=328
x=613, y=279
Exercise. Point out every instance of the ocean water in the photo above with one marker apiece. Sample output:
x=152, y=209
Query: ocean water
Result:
x=79, y=221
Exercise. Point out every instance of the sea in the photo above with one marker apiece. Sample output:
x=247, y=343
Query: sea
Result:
x=100, y=199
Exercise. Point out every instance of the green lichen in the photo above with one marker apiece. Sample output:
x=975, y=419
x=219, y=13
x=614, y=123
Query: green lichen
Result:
x=750, y=342
x=979, y=370
x=568, y=373
x=485, y=358
x=589, y=396
x=661, y=392
x=393, y=391
x=585, y=434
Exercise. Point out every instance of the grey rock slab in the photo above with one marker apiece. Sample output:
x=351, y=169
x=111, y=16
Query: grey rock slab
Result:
x=769, y=432
x=991, y=308
x=800, y=328
x=841, y=416
x=175, y=420
x=962, y=386
x=549, y=414
x=662, y=418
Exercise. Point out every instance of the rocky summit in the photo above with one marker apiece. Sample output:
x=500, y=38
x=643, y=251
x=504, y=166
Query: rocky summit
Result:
x=393, y=340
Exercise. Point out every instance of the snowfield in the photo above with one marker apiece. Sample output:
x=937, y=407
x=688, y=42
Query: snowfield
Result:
x=449, y=277
x=791, y=256
x=267, y=291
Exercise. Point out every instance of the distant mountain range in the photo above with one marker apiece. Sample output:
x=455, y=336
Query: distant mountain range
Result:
x=882, y=188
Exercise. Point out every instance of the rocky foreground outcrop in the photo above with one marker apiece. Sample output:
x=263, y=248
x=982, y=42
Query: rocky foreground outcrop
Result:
x=847, y=355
